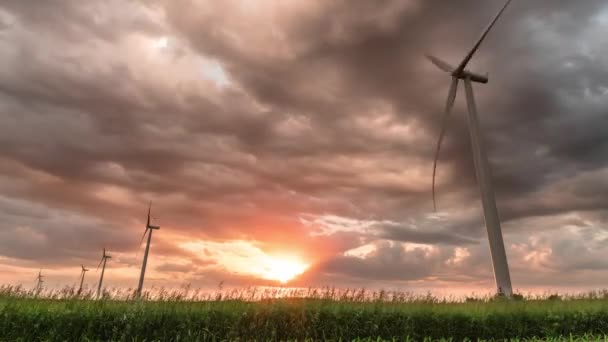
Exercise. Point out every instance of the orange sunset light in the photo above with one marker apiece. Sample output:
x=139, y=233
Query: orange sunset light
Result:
x=282, y=269
x=244, y=257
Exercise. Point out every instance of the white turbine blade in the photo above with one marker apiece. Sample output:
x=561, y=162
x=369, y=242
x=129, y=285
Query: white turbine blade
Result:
x=142, y=237
x=468, y=57
x=149, y=210
x=140, y=241
x=440, y=64
x=100, y=261
x=444, y=123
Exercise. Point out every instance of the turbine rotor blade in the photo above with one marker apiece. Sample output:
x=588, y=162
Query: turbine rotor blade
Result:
x=468, y=57
x=143, y=236
x=149, y=210
x=446, y=115
x=440, y=64
x=140, y=241
x=100, y=261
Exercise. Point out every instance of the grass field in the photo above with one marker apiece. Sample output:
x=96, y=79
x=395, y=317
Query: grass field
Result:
x=324, y=315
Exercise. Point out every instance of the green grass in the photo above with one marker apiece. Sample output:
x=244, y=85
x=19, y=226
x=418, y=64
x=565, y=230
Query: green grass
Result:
x=26, y=317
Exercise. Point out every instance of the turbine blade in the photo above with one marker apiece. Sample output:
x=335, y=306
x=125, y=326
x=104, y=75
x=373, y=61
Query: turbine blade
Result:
x=440, y=64
x=140, y=241
x=444, y=123
x=149, y=210
x=468, y=57
x=100, y=261
x=142, y=237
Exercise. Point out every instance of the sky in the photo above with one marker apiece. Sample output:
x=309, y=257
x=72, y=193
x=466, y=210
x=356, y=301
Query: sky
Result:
x=291, y=142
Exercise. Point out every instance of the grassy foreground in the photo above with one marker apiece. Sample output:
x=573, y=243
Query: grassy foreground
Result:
x=36, y=319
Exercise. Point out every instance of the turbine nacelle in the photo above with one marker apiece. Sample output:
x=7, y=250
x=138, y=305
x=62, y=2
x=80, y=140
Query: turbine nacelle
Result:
x=472, y=76
x=457, y=73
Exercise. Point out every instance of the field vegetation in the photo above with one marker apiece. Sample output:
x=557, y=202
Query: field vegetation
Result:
x=283, y=314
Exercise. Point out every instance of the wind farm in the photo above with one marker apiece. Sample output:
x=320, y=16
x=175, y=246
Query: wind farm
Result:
x=315, y=171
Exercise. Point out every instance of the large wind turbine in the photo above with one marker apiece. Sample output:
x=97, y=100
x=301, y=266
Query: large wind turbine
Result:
x=82, y=272
x=102, y=262
x=482, y=167
x=148, y=230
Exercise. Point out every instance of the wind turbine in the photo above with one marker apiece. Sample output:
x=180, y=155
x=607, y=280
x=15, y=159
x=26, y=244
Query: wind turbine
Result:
x=104, y=259
x=39, y=281
x=82, y=272
x=482, y=167
x=148, y=230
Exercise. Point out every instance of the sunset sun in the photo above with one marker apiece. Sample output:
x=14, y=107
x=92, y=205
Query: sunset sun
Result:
x=282, y=269
x=245, y=258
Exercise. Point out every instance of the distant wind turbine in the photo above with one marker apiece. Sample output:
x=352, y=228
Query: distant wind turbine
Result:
x=39, y=281
x=482, y=167
x=102, y=262
x=148, y=230
x=82, y=272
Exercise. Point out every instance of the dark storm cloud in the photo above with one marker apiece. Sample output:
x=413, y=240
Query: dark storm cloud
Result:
x=31, y=233
x=397, y=233
x=388, y=262
x=73, y=20
x=329, y=108
x=379, y=63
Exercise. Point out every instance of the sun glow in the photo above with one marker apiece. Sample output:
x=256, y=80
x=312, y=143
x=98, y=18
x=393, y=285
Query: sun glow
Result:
x=282, y=269
x=243, y=257
x=161, y=43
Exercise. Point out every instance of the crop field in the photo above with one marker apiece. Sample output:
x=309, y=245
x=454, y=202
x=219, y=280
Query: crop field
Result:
x=320, y=315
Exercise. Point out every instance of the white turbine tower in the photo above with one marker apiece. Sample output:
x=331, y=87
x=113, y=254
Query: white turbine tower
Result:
x=482, y=167
x=82, y=272
x=102, y=262
x=148, y=230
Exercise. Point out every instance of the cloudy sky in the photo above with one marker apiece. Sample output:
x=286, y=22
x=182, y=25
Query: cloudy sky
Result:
x=295, y=139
